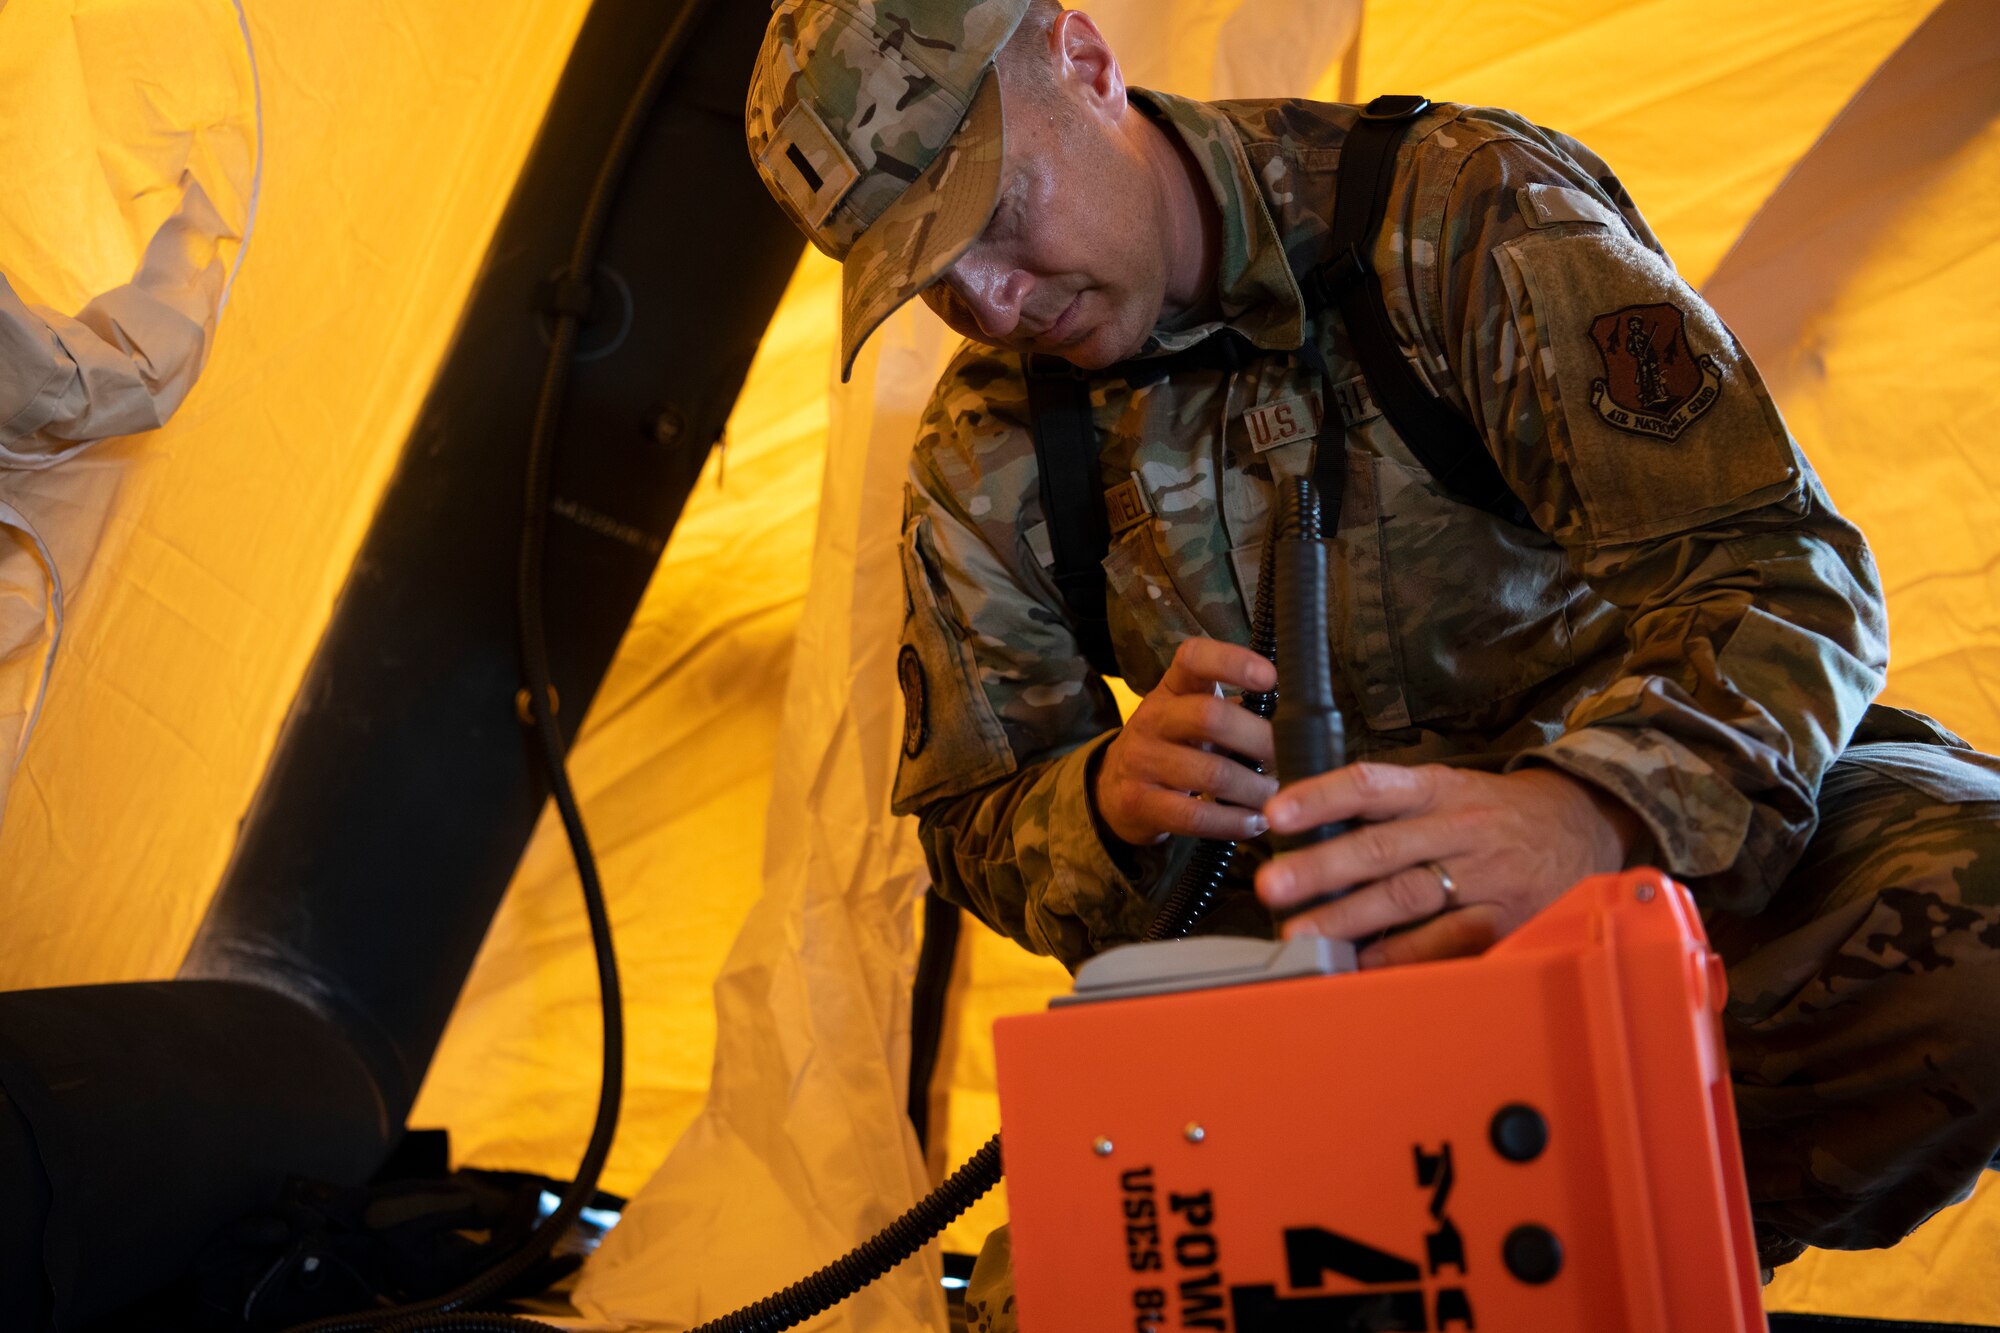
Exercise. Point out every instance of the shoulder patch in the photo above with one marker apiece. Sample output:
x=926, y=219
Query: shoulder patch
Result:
x=1654, y=383
x=1658, y=421
x=916, y=717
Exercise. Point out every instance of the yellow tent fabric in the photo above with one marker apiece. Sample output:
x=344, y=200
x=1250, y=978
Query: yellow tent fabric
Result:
x=393, y=135
x=393, y=131
x=1839, y=287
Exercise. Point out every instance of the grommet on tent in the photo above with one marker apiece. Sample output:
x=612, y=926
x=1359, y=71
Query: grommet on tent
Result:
x=527, y=714
x=567, y=295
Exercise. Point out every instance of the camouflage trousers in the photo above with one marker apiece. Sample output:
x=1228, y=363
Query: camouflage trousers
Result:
x=1864, y=1015
x=1864, y=1005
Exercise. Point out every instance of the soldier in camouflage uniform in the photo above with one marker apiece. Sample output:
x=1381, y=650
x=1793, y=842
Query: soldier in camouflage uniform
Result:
x=1674, y=666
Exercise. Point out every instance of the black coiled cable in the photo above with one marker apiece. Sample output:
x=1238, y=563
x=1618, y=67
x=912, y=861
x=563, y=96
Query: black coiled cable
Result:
x=1214, y=859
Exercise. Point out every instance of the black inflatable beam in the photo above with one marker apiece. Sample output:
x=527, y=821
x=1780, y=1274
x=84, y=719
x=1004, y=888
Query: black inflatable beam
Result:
x=135, y=1120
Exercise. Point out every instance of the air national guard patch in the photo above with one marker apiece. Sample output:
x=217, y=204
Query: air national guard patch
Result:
x=1654, y=383
x=916, y=718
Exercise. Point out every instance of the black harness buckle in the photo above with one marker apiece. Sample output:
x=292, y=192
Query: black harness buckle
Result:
x=1395, y=106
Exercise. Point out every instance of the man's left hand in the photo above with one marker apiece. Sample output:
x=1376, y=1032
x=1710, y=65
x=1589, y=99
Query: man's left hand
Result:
x=1510, y=843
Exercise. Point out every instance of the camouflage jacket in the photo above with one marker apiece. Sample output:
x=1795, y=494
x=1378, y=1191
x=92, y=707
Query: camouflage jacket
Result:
x=1689, y=625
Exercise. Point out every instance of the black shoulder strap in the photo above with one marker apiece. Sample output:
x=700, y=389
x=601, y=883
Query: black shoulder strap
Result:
x=1072, y=499
x=1448, y=445
x=1065, y=436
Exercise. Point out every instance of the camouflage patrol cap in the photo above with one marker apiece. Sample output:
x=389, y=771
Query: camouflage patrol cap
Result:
x=876, y=127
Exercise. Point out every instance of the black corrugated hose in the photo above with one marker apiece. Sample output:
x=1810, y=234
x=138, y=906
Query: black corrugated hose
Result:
x=1306, y=728
x=875, y=1256
x=449, y=1311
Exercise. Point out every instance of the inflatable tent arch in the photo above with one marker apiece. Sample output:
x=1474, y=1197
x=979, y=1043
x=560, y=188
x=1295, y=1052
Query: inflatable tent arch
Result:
x=351, y=395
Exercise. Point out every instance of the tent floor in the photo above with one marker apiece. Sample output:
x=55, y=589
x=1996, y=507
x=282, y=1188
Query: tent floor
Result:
x=1841, y=1323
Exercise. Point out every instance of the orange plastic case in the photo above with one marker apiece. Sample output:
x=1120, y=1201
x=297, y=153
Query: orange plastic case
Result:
x=1540, y=1139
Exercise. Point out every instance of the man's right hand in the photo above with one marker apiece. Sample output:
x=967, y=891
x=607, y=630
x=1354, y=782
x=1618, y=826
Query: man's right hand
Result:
x=1176, y=749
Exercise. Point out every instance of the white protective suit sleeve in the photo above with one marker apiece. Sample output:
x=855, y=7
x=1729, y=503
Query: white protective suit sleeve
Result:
x=124, y=362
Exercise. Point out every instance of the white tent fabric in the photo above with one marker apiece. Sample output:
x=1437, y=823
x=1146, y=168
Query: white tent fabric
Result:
x=813, y=1002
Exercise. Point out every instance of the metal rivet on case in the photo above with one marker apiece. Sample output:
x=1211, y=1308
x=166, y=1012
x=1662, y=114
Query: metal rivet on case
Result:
x=1101, y=1146
x=1195, y=1133
x=1645, y=893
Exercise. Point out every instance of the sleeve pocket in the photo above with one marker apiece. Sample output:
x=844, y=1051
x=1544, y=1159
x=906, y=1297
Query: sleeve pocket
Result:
x=951, y=742
x=1660, y=419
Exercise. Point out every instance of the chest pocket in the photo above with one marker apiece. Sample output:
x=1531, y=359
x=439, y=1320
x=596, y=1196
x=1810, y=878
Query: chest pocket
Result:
x=1473, y=609
x=1148, y=613
x=1439, y=610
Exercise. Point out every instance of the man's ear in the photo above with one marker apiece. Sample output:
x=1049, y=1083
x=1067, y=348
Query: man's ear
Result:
x=1085, y=65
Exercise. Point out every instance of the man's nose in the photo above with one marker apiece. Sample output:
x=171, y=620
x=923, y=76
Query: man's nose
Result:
x=994, y=293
